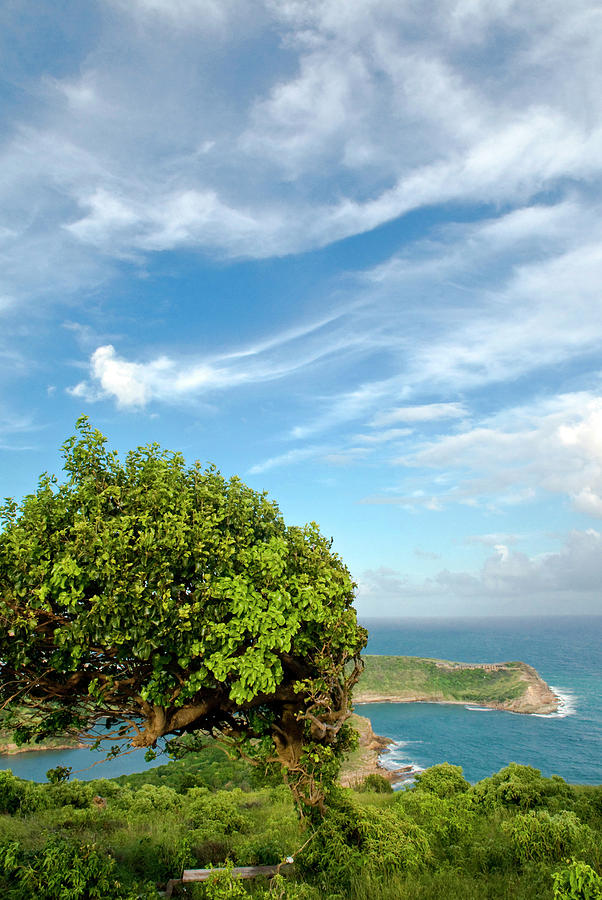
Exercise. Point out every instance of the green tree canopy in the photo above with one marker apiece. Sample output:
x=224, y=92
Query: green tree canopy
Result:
x=157, y=599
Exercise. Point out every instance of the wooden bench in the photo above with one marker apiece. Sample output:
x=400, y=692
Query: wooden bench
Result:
x=189, y=876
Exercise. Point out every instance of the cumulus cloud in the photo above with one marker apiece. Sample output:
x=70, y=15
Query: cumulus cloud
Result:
x=509, y=582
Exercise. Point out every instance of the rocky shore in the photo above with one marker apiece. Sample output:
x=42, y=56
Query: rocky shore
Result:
x=366, y=759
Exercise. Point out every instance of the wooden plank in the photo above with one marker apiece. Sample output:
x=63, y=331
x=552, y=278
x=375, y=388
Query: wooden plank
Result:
x=191, y=875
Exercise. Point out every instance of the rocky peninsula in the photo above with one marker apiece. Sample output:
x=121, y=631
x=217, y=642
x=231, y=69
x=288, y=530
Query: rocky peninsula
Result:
x=511, y=686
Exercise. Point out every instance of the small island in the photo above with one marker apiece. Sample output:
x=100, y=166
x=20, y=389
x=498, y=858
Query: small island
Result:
x=511, y=686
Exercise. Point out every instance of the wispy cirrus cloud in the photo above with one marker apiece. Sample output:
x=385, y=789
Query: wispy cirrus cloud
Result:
x=300, y=454
x=15, y=430
x=168, y=379
x=427, y=412
x=358, y=118
x=484, y=303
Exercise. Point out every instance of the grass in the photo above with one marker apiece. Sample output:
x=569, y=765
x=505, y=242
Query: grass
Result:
x=158, y=822
x=410, y=676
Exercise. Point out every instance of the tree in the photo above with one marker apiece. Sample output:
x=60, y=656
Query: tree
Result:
x=147, y=599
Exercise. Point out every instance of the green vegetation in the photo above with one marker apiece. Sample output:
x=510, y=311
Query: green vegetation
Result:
x=150, y=599
x=411, y=676
x=514, y=835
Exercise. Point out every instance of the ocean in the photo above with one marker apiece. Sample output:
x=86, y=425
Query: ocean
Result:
x=567, y=653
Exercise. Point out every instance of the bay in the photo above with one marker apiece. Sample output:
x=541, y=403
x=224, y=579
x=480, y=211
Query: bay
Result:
x=566, y=651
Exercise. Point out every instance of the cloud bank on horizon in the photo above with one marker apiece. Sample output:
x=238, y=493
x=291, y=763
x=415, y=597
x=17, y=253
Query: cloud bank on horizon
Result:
x=348, y=249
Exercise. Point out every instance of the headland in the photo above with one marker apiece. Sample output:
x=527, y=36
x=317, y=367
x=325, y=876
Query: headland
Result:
x=512, y=686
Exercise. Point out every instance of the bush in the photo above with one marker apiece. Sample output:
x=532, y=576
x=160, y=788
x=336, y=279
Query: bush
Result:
x=577, y=881
x=443, y=780
x=215, y=813
x=224, y=886
x=352, y=841
x=61, y=869
x=375, y=783
x=522, y=787
x=78, y=794
x=264, y=850
x=18, y=796
x=588, y=804
x=149, y=800
x=446, y=820
x=541, y=836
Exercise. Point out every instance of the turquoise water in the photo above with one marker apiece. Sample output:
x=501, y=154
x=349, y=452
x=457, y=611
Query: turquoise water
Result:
x=566, y=652
x=86, y=764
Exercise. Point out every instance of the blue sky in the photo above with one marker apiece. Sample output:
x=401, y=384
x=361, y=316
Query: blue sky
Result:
x=349, y=250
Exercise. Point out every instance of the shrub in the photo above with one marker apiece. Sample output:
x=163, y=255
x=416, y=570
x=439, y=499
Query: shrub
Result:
x=78, y=794
x=541, y=836
x=588, y=804
x=522, y=787
x=376, y=783
x=61, y=870
x=224, y=885
x=263, y=850
x=215, y=813
x=447, y=820
x=443, y=780
x=352, y=841
x=18, y=796
x=577, y=881
x=150, y=799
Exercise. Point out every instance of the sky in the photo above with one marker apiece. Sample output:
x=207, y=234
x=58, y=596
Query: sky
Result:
x=349, y=250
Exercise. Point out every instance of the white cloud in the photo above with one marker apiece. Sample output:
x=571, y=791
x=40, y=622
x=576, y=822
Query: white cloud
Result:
x=552, y=445
x=491, y=540
x=383, y=437
x=172, y=380
x=13, y=428
x=567, y=581
x=347, y=456
x=348, y=116
x=426, y=413
x=132, y=384
x=486, y=302
x=285, y=459
x=201, y=14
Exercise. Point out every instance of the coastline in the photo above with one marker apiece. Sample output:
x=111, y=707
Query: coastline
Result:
x=535, y=698
x=429, y=698
x=367, y=759
x=12, y=749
